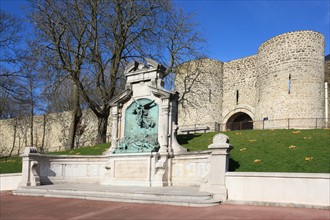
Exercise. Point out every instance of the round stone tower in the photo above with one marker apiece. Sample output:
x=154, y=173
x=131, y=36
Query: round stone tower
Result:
x=290, y=77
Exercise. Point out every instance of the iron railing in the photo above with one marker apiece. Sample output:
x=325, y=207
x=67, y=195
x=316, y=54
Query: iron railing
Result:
x=287, y=123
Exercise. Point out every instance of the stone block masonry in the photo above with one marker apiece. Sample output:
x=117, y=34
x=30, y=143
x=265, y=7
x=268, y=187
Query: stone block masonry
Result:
x=285, y=79
x=50, y=132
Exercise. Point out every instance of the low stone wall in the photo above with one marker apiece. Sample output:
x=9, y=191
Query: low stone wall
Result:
x=10, y=181
x=39, y=169
x=310, y=190
x=189, y=169
x=280, y=189
x=207, y=170
x=67, y=168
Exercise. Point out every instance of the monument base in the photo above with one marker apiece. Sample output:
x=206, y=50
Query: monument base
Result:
x=135, y=169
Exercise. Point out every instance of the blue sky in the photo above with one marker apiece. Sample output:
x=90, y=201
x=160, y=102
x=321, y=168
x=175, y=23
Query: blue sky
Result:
x=236, y=28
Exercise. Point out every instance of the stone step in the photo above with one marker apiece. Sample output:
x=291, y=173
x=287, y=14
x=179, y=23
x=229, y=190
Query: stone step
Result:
x=182, y=196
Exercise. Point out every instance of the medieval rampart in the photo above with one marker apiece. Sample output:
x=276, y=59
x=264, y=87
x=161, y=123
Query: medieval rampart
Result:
x=290, y=78
x=203, y=90
x=239, y=90
x=284, y=80
x=50, y=132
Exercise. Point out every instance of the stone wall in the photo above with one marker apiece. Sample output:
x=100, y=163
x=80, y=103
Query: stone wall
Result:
x=310, y=190
x=239, y=89
x=201, y=88
x=50, y=132
x=299, y=56
x=284, y=80
x=327, y=80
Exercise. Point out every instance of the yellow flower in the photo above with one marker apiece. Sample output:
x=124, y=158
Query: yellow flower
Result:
x=253, y=140
x=307, y=138
x=78, y=153
x=238, y=133
x=257, y=161
x=242, y=149
x=293, y=147
x=308, y=158
x=296, y=132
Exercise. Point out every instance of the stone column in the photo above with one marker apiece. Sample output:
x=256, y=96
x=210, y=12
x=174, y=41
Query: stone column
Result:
x=214, y=182
x=114, y=134
x=30, y=175
x=163, y=126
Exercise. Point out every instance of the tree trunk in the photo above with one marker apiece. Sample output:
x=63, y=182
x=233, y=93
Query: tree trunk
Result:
x=75, y=119
x=42, y=148
x=31, y=126
x=32, y=112
x=102, y=123
x=14, y=141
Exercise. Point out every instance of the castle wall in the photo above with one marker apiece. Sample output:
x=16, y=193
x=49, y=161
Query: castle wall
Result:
x=50, y=132
x=299, y=56
x=327, y=80
x=239, y=90
x=284, y=82
x=200, y=88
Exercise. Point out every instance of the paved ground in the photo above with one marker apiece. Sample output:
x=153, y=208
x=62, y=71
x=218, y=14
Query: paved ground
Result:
x=27, y=207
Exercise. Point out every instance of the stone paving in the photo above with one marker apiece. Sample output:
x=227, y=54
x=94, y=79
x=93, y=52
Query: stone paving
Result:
x=27, y=207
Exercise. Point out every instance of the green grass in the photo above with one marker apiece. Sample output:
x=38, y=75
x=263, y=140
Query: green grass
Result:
x=11, y=165
x=270, y=147
x=94, y=150
x=309, y=152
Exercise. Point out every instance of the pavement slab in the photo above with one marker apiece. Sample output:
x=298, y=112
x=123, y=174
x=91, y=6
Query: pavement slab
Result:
x=29, y=207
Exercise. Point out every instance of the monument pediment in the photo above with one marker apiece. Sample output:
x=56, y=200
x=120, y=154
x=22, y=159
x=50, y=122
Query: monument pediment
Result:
x=121, y=98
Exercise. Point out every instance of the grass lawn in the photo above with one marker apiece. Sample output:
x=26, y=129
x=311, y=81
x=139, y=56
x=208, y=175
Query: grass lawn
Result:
x=94, y=150
x=271, y=150
x=11, y=165
x=305, y=151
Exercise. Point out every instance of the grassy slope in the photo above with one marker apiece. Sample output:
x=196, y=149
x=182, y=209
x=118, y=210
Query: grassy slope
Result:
x=309, y=152
x=271, y=147
x=94, y=150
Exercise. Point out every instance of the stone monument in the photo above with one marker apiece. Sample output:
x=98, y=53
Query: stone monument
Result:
x=144, y=125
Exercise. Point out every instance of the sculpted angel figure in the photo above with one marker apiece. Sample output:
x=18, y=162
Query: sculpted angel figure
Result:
x=141, y=112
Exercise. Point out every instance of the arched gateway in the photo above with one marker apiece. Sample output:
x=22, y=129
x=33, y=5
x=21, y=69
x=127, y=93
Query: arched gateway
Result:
x=239, y=121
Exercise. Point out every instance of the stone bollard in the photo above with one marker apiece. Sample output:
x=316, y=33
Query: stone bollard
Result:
x=30, y=164
x=214, y=182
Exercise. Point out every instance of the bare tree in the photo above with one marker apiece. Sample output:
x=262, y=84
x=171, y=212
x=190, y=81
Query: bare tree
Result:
x=182, y=41
x=92, y=40
x=65, y=50
x=11, y=79
x=189, y=82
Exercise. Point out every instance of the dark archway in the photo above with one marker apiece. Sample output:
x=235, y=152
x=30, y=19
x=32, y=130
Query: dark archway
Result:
x=239, y=121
